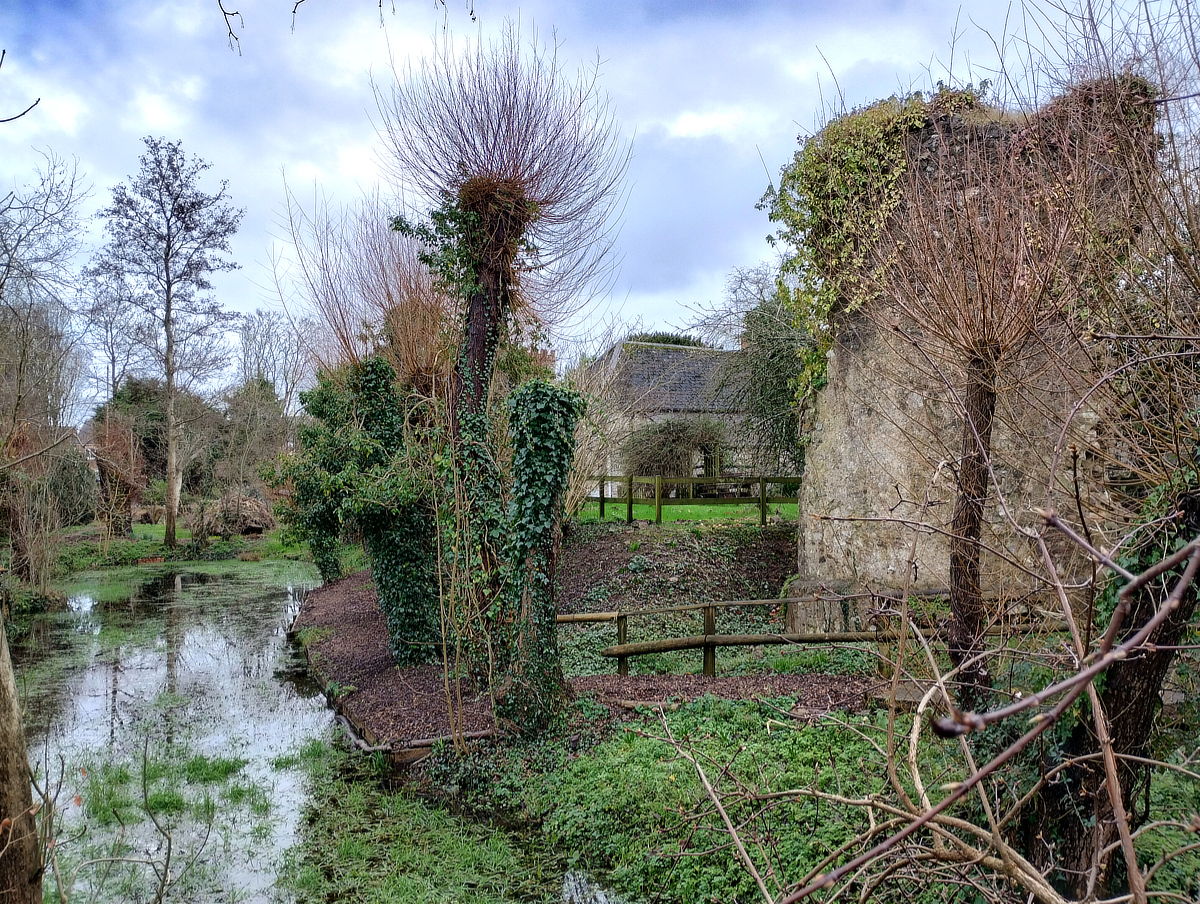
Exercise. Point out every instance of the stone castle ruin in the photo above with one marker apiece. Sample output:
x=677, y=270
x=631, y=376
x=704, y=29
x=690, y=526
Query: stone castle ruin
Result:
x=879, y=490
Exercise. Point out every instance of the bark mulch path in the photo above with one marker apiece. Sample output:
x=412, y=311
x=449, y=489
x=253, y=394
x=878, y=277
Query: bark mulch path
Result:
x=347, y=648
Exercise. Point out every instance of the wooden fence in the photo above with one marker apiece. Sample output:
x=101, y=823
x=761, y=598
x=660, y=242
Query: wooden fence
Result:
x=700, y=491
x=710, y=640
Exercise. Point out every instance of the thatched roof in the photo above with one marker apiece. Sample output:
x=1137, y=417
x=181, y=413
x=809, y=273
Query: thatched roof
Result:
x=653, y=378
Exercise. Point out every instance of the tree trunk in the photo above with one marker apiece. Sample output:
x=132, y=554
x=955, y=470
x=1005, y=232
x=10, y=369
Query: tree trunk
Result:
x=174, y=470
x=1081, y=811
x=20, y=852
x=967, y=616
x=481, y=337
x=478, y=470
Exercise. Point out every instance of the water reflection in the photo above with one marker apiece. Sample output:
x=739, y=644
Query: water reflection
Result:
x=578, y=888
x=192, y=664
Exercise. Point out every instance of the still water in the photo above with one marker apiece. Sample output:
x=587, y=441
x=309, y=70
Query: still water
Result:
x=174, y=700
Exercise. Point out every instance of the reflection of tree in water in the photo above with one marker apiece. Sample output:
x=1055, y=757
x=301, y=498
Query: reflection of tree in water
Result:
x=203, y=635
x=197, y=663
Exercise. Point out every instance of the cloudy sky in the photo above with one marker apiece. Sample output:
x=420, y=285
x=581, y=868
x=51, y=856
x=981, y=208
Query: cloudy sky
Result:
x=713, y=95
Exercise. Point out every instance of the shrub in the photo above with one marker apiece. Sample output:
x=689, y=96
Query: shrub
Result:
x=670, y=447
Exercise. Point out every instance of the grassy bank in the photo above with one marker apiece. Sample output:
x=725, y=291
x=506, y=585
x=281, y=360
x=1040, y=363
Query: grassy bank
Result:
x=620, y=800
x=367, y=842
x=611, y=798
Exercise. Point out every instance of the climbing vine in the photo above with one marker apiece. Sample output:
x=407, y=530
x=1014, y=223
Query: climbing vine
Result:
x=831, y=205
x=462, y=543
x=448, y=239
x=542, y=420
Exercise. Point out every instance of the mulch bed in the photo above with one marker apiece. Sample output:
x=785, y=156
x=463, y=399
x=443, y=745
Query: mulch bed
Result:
x=392, y=706
x=385, y=704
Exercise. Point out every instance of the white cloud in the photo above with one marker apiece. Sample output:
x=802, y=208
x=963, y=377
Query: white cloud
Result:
x=152, y=111
x=729, y=124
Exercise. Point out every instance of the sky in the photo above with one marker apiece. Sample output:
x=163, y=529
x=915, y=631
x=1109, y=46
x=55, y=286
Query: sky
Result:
x=713, y=95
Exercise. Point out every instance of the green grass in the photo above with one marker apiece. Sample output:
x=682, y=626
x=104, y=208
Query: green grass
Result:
x=176, y=780
x=748, y=512
x=205, y=770
x=108, y=795
x=82, y=549
x=363, y=843
x=621, y=804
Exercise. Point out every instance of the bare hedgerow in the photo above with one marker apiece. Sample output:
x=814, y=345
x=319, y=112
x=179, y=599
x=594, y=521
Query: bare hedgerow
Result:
x=368, y=291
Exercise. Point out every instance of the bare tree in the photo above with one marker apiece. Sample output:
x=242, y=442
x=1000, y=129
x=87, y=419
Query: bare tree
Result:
x=971, y=265
x=121, y=470
x=368, y=291
x=38, y=230
x=533, y=164
x=167, y=236
x=271, y=349
x=760, y=378
x=114, y=327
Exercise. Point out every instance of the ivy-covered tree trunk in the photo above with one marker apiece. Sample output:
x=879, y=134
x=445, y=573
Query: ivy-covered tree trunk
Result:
x=542, y=421
x=968, y=618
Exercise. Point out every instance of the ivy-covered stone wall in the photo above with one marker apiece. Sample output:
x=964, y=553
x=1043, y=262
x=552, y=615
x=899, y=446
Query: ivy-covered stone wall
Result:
x=879, y=486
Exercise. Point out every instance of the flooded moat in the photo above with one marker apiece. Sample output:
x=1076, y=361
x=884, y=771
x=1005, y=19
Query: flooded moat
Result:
x=171, y=722
x=174, y=699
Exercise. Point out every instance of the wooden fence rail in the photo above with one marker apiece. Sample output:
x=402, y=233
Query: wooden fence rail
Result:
x=694, y=485
x=710, y=639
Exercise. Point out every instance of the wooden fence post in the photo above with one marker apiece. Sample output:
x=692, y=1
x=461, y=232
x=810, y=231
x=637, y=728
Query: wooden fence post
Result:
x=629, y=501
x=622, y=637
x=602, y=476
x=658, y=499
x=762, y=501
x=710, y=652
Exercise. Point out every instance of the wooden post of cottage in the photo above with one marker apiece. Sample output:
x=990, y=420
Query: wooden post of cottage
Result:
x=629, y=500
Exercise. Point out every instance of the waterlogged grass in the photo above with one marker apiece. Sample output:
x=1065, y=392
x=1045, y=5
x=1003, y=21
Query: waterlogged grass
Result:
x=207, y=770
x=171, y=784
x=166, y=691
x=364, y=843
x=116, y=852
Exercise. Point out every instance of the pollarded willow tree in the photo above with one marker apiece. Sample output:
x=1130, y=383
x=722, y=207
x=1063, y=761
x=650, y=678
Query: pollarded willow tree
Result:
x=523, y=167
